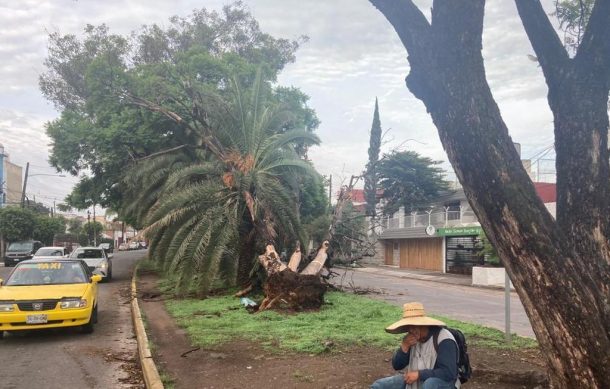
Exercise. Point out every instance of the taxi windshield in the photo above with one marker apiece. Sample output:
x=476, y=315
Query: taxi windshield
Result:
x=47, y=273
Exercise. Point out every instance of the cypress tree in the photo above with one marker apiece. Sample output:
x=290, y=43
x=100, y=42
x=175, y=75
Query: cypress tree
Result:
x=370, y=175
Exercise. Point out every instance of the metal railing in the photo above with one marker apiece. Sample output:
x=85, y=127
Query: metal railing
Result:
x=435, y=217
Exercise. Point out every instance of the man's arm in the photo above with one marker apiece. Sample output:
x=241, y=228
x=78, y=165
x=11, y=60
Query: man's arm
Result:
x=445, y=367
x=400, y=360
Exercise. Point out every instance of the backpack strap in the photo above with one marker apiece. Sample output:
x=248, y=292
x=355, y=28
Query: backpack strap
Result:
x=435, y=341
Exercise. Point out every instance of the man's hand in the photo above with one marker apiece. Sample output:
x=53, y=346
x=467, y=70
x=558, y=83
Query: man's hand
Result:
x=407, y=342
x=411, y=377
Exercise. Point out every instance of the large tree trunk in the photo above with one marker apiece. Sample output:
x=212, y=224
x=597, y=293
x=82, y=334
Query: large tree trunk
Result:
x=561, y=269
x=289, y=289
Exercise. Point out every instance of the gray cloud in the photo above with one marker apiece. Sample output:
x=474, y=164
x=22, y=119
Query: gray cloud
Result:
x=353, y=56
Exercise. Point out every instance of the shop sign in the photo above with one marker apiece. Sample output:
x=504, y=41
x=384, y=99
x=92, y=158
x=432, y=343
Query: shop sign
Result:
x=459, y=231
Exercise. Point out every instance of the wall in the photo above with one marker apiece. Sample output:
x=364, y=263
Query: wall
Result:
x=14, y=187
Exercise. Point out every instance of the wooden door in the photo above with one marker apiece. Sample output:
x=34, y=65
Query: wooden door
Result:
x=389, y=252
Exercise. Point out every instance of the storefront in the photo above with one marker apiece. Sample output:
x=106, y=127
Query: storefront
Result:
x=451, y=250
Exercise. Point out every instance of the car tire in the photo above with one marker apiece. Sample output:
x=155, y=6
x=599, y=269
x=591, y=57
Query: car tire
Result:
x=89, y=327
x=109, y=275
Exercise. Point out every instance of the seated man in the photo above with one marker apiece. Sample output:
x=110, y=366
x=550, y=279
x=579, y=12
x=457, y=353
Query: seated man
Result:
x=426, y=368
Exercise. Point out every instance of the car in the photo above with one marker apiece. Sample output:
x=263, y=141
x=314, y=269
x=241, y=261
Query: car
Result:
x=123, y=247
x=20, y=251
x=51, y=253
x=96, y=259
x=106, y=246
x=133, y=245
x=43, y=293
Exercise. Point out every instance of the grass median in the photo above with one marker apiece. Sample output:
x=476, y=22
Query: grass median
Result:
x=345, y=320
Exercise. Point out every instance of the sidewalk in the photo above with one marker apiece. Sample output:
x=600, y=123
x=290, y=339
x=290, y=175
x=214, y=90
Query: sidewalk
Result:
x=424, y=275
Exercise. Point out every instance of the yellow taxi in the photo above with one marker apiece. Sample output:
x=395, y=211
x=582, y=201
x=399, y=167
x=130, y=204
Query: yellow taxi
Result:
x=48, y=294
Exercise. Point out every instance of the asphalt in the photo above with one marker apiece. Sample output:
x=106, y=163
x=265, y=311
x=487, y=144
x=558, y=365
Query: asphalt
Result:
x=66, y=358
x=447, y=295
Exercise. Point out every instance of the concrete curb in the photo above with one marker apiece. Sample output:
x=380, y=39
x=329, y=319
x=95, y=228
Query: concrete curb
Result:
x=149, y=369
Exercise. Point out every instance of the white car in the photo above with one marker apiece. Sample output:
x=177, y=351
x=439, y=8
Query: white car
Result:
x=96, y=259
x=51, y=253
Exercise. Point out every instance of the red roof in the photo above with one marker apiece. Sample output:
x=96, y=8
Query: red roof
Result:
x=358, y=195
x=546, y=191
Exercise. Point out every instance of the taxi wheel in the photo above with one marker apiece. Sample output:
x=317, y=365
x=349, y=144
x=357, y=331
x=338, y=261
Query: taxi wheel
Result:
x=88, y=328
x=4, y=334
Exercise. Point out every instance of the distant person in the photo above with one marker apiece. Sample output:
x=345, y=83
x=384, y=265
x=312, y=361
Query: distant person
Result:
x=425, y=367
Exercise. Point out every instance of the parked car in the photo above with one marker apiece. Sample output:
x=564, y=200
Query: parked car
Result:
x=133, y=245
x=51, y=253
x=123, y=247
x=96, y=259
x=20, y=251
x=35, y=296
x=106, y=246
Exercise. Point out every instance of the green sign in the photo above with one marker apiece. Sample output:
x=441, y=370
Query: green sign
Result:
x=458, y=231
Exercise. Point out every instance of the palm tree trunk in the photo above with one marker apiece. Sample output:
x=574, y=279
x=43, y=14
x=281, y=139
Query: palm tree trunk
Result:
x=247, y=252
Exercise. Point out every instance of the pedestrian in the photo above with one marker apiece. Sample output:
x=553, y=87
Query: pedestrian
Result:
x=426, y=368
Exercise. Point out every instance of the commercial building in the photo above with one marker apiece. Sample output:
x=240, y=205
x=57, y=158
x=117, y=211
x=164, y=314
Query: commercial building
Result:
x=443, y=238
x=10, y=180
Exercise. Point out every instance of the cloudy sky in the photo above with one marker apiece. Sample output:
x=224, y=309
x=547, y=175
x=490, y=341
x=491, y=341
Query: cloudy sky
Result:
x=353, y=56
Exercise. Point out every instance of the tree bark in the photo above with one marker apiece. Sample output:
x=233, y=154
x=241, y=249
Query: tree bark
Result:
x=561, y=269
x=245, y=260
x=287, y=288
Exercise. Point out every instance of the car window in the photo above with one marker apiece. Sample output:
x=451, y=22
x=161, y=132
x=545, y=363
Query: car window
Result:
x=47, y=273
x=89, y=254
x=47, y=252
x=20, y=246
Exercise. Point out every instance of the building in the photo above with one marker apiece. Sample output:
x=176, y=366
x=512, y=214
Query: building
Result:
x=445, y=238
x=10, y=180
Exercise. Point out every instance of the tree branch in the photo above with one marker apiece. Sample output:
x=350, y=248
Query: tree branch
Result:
x=167, y=151
x=595, y=43
x=408, y=21
x=551, y=53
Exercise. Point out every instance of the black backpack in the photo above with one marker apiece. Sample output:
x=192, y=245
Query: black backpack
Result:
x=464, y=369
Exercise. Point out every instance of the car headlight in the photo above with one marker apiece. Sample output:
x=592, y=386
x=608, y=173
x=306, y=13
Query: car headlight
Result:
x=73, y=303
x=7, y=307
x=103, y=265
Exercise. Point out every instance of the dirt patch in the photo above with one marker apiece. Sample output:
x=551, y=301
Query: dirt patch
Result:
x=239, y=364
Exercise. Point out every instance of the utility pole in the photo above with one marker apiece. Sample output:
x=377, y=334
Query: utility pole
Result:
x=25, y=184
x=88, y=225
x=330, y=190
x=94, y=227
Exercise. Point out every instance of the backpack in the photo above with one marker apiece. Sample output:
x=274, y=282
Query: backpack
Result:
x=464, y=369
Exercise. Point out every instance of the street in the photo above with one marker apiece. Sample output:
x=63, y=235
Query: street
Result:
x=66, y=358
x=475, y=305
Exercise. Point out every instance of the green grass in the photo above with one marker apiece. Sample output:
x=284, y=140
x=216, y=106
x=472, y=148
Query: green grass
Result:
x=346, y=320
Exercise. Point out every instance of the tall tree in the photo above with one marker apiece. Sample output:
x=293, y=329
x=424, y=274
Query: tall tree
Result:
x=560, y=268
x=101, y=131
x=409, y=180
x=370, y=175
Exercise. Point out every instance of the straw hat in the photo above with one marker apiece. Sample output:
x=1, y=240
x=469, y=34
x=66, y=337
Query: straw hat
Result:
x=412, y=315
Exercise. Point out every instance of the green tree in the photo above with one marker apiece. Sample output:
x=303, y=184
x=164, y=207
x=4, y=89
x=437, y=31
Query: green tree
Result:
x=100, y=84
x=560, y=267
x=46, y=227
x=211, y=208
x=409, y=180
x=17, y=223
x=370, y=175
x=93, y=232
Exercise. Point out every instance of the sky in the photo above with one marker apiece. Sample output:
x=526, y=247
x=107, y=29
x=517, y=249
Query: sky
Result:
x=353, y=56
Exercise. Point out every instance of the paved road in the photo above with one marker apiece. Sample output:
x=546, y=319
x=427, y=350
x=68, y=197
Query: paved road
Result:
x=475, y=305
x=65, y=358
